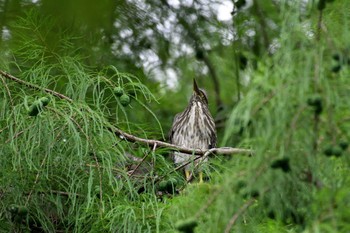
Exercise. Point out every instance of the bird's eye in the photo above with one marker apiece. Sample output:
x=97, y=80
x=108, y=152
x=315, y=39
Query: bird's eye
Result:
x=203, y=96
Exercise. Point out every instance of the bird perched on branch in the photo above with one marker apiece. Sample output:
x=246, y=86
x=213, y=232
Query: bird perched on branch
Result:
x=193, y=128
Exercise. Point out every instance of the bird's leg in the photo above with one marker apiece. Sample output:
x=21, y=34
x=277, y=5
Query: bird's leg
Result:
x=200, y=177
x=187, y=174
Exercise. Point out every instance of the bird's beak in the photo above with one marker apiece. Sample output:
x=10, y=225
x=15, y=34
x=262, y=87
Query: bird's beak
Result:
x=195, y=87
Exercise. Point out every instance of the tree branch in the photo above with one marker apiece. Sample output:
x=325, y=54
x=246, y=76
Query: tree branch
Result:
x=158, y=144
x=59, y=95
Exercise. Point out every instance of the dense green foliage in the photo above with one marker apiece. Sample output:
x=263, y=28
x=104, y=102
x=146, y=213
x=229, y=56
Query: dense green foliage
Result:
x=277, y=77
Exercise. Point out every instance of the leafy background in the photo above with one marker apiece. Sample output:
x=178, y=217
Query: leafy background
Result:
x=277, y=77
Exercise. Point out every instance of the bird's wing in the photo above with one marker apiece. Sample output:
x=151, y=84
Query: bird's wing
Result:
x=213, y=140
x=171, y=131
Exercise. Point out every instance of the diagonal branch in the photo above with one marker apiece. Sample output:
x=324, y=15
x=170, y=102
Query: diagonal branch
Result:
x=31, y=85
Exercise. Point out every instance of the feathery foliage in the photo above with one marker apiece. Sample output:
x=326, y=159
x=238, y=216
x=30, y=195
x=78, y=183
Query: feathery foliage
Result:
x=284, y=93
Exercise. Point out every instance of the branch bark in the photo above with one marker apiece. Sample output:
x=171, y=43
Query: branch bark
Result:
x=158, y=144
x=59, y=95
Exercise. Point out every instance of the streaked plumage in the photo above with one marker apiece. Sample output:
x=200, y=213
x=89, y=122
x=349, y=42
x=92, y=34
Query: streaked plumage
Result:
x=193, y=128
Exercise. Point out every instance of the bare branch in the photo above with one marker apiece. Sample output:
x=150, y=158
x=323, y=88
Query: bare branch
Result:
x=59, y=95
x=150, y=142
x=8, y=91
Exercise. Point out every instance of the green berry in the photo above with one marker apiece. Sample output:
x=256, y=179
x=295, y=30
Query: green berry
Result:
x=336, y=57
x=125, y=100
x=283, y=164
x=343, y=144
x=44, y=100
x=22, y=210
x=186, y=226
x=314, y=101
x=337, y=151
x=328, y=151
x=240, y=185
x=321, y=5
x=333, y=150
x=35, y=108
x=254, y=194
x=336, y=68
x=118, y=91
x=168, y=185
x=163, y=185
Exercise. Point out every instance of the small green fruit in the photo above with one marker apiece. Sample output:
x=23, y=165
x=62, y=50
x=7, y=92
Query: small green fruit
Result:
x=271, y=214
x=333, y=150
x=163, y=185
x=45, y=100
x=35, y=108
x=314, y=101
x=22, y=210
x=336, y=57
x=186, y=226
x=168, y=185
x=118, y=91
x=173, y=181
x=343, y=144
x=337, y=151
x=125, y=100
x=328, y=151
x=321, y=5
x=241, y=184
x=336, y=68
x=283, y=164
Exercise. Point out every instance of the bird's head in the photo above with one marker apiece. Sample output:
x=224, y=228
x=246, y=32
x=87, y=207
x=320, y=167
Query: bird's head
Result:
x=199, y=94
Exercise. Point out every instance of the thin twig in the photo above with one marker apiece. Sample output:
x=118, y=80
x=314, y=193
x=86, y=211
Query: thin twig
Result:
x=237, y=214
x=95, y=157
x=206, y=154
x=8, y=91
x=93, y=152
x=139, y=164
x=59, y=95
x=112, y=168
x=64, y=193
x=36, y=179
x=1, y=130
x=16, y=135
